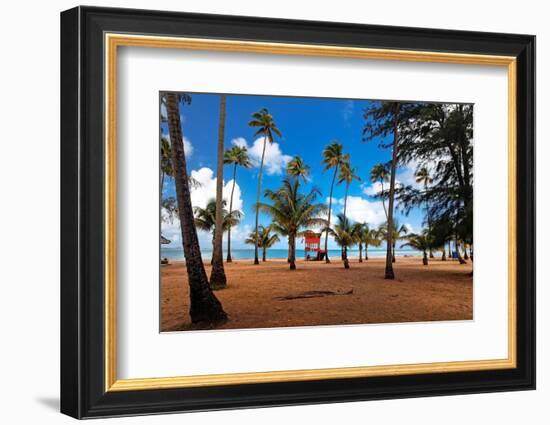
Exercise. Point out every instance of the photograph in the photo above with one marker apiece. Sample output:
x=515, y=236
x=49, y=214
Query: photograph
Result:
x=280, y=211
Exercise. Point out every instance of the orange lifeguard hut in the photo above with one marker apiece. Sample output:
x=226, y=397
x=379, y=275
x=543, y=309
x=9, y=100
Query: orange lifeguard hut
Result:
x=313, y=249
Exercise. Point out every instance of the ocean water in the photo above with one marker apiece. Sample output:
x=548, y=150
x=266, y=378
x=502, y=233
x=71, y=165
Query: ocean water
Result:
x=176, y=254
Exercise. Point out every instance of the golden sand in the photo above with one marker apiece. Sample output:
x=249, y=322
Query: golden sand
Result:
x=256, y=295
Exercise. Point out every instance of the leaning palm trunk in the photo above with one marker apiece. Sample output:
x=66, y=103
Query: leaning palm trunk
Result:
x=217, y=276
x=389, y=252
x=204, y=306
x=425, y=258
x=229, y=259
x=256, y=261
x=327, y=260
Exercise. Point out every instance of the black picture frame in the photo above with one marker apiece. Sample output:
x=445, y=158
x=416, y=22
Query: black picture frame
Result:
x=82, y=219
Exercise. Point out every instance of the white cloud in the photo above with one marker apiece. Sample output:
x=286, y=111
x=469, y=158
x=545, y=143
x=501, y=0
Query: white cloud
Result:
x=274, y=160
x=409, y=227
x=240, y=141
x=186, y=145
x=362, y=210
x=199, y=198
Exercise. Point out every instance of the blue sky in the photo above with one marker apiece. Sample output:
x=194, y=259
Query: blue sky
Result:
x=307, y=126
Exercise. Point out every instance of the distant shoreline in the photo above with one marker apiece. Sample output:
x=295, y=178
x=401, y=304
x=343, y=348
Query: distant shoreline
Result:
x=175, y=254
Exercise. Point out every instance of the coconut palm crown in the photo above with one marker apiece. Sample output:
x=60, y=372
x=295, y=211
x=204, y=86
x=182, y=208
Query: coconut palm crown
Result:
x=297, y=168
x=293, y=212
x=265, y=240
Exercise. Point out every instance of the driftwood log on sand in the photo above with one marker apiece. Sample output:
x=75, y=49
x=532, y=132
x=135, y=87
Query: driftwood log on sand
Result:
x=313, y=294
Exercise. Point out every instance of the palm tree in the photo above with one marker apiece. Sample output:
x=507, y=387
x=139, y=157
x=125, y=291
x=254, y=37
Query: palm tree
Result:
x=238, y=156
x=420, y=243
x=205, y=218
x=292, y=211
x=380, y=173
x=263, y=120
x=218, y=279
x=345, y=235
x=347, y=175
x=332, y=158
x=423, y=176
x=297, y=168
x=205, y=307
x=266, y=239
x=365, y=237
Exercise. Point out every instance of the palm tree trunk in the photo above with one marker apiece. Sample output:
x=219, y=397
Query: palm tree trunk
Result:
x=218, y=279
x=204, y=306
x=263, y=254
x=425, y=258
x=366, y=251
x=450, y=253
x=327, y=260
x=389, y=253
x=345, y=248
x=229, y=259
x=471, y=253
x=360, y=252
x=256, y=261
x=443, y=256
x=393, y=253
x=292, y=256
x=465, y=252
x=161, y=184
x=428, y=218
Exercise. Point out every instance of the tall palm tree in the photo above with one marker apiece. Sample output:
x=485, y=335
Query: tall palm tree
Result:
x=238, y=156
x=423, y=177
x=292, y=212
x=263, y=121
x=297, y=168
x=345, y=235
x=332, y=158
x=347, y=175
x=420, y=243
x=205, y=307
x=205, y=218
x=218, y=280
x=380, y=173
x=266, y=239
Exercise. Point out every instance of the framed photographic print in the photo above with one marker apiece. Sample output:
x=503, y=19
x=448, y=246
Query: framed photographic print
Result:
x=261, y=212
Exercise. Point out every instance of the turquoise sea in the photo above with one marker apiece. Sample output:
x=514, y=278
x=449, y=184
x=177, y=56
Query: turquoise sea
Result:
x=176, y=254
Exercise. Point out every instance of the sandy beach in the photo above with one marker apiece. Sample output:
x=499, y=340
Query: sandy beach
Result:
x=269, y=295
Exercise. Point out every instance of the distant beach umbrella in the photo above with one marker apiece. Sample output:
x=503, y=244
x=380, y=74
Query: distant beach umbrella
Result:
x=163, y=240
